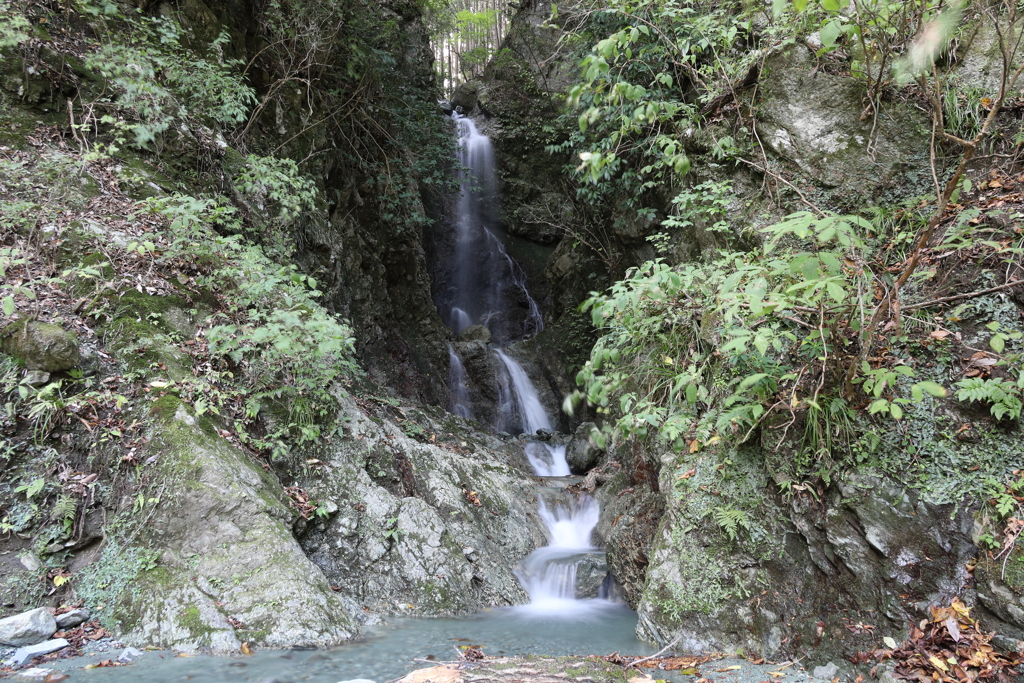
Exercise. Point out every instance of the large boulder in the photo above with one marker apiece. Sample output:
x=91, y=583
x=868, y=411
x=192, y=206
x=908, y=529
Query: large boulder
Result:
x=41, y=346
x=432, y=517
x=215, y=564
x=465, y=97
x=582, y=453
x=27, y=628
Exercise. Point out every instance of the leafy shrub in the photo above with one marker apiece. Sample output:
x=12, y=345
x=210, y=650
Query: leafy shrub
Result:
x=708, y=351
x=290, y=348
x=154, y=82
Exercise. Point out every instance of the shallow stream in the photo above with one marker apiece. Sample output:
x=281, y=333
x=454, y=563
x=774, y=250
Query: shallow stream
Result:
x=604, y=627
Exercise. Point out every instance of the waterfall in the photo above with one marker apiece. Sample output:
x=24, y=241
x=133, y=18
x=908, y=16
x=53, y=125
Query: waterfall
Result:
x=530, y=409
x=549, y=573
x=547, y=460
x=489, y=288
x=457, y=385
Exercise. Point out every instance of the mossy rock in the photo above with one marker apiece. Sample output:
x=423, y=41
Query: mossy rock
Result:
x=40, y=346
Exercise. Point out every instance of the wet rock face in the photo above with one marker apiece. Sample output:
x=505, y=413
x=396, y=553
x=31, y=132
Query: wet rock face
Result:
x=813, y=120
x=1000, y=589
x=229, y=569
x=42, y=346
x=631, y=513
x=423, y=529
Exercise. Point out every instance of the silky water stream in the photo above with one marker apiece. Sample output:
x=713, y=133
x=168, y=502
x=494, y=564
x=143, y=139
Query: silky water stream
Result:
x=569, y=612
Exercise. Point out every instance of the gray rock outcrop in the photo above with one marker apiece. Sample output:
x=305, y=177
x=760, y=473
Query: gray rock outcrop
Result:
x=229, y=569
x=409, y=509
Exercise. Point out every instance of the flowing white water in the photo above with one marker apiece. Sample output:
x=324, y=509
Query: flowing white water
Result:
x=457, y=385
x=571, y=526
x=547, y=460
x=460, y=320
x=534, y=322
x=549, y=573
x=531, y=411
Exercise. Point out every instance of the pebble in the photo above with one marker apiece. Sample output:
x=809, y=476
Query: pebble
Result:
x=827, y=672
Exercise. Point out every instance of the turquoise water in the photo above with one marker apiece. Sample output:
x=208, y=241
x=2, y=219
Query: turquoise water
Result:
x=390, y=652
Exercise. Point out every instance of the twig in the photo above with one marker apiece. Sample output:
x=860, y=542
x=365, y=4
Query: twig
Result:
x=969, y=295
x=793, y=187
x=656, y=654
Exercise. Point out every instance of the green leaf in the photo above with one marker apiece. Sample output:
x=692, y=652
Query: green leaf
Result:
x=9, y=305
x=998, y=343
x=836, y=292
x=896, y=411
x=752, y=379
x=934, y=389
x=830, y=32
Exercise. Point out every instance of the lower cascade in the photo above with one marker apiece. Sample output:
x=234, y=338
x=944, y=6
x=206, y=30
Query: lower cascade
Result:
x=568, y=577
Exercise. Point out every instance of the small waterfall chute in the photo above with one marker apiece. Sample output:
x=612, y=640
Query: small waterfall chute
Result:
x=549, y=574
x=457, y=385
x=546, y=460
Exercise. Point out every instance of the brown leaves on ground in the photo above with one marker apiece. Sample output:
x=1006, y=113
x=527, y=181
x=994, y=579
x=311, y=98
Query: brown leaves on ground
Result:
x=685, y=665
x=950, y=648
x=299, y=500
x=470, y=653
x=80, y=635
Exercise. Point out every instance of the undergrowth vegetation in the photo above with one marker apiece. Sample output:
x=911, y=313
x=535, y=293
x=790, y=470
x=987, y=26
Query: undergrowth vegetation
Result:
x=832, y=321
x=159, y=176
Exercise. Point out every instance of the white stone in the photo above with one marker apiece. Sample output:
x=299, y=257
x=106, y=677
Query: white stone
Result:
x=23, y=654
x=30, y=562
x=129, y=654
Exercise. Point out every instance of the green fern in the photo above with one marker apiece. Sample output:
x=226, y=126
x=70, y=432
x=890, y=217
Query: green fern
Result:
x=65, y=511
x=731, y=521
x=1003, y=397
